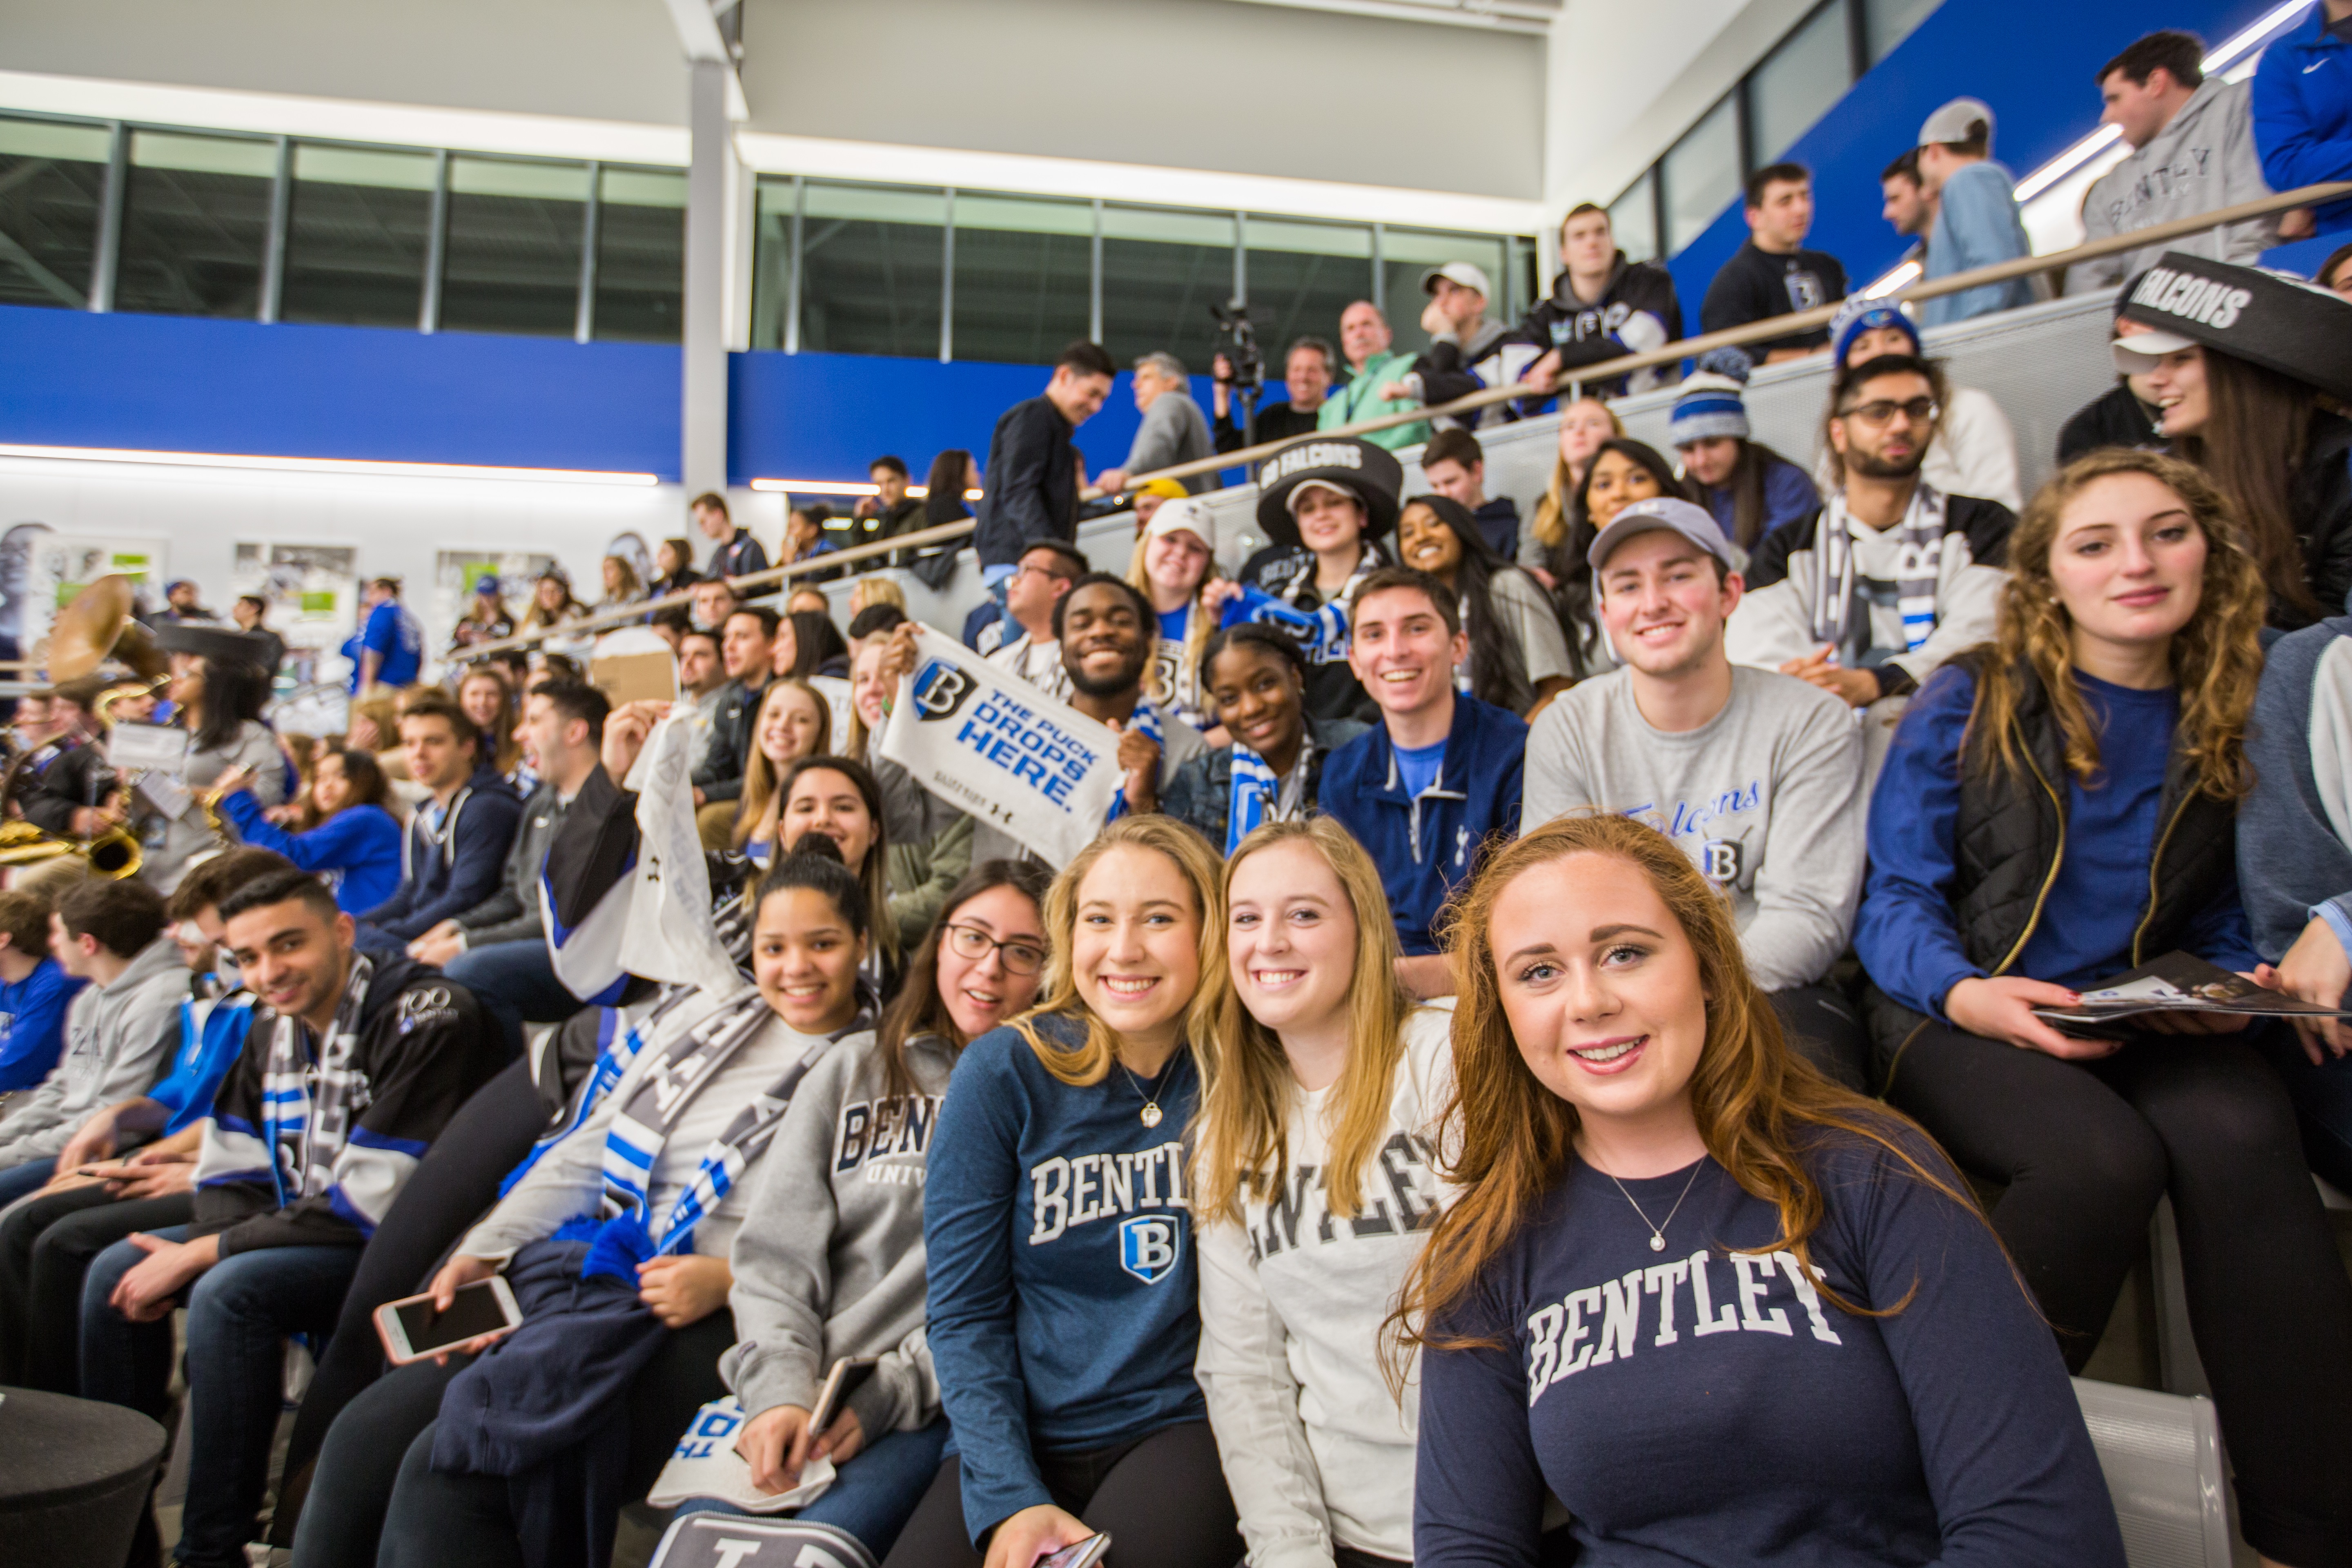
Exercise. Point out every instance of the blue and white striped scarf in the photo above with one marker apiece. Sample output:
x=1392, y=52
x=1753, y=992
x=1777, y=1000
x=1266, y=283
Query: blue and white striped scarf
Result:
x=1321, y=633
x=1838, y=619
x=1255, y=793
x=1144, y=721
x=307, y=1110
x=626, y=1234
x=616, y=1048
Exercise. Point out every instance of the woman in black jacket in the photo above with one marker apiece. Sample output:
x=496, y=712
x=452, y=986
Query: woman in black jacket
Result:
x=2250, y=370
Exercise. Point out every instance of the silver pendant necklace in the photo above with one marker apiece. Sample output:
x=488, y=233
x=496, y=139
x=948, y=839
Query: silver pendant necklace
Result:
x=1149, y=1114
x=1658, y=1232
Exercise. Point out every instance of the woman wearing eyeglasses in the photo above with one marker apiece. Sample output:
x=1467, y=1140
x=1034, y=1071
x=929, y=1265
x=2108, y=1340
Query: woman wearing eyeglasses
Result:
x=829, y=1262
x=1892, y=576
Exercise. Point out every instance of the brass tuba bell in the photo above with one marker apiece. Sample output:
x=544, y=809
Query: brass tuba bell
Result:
x=96, y=627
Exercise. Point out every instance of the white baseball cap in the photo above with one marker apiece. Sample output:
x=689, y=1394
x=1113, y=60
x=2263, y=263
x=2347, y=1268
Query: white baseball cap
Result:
x=1460, y=272
x=1186, y=515
x=1951, y=122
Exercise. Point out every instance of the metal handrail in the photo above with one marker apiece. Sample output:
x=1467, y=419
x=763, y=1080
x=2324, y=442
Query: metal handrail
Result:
x=1607, y=370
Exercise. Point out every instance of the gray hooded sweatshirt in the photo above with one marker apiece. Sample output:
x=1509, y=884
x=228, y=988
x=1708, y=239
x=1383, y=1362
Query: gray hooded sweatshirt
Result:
x=2202, y=161
x=118, y=1039
x=829, y=1261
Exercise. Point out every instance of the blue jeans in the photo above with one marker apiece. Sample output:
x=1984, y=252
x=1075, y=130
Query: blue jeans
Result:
x=29, y=1177
x=241, y=1311
x=873, y=1493
x=515, y=983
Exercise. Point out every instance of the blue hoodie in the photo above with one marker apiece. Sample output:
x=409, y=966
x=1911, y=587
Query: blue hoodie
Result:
x=1063, y=1294
x=451, y=861
x=357, y=850
x=1427, y=845
x=2302, y=114
x=33, y=1024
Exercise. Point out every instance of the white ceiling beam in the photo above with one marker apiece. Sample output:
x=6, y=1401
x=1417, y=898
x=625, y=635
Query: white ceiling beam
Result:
x=697, y=23
x=1500, y=15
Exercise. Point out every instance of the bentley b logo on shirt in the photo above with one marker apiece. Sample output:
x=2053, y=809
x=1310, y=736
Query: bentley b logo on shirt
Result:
x=1065, y=1194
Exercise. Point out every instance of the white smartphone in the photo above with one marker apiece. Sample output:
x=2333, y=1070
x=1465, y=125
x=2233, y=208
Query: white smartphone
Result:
x=1080, y=1555
x=849, y=1375
x=411, y=1329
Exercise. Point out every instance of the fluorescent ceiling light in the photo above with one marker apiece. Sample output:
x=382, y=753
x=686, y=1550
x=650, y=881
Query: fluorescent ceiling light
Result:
x=841, y=487
x=325, y=465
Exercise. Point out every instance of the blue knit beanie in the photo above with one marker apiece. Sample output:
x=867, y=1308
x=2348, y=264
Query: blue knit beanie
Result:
x=1711, y=403
x=1857, y=316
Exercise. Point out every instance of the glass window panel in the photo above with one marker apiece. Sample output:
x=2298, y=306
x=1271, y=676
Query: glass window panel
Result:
x=1301, y=275
x=640, y=255
x=52, y=178
x=1797, y=82
x=1889, y=22
x=357, y=233
x=870, y=270
x=196, y=218
x=513, y=258
x=771, y=240
x=1407, y=254
x=1162, y=271
x=1024, y=269
x=1634, y=219
x=1702, y=173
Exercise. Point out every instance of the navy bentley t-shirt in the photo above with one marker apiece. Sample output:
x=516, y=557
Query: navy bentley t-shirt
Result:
x=1703, y=1404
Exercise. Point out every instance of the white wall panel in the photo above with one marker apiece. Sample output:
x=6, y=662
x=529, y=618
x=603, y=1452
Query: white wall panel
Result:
x=1188, y=84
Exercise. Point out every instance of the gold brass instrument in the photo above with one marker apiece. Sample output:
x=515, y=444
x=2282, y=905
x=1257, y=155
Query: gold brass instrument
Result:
x=96, y=627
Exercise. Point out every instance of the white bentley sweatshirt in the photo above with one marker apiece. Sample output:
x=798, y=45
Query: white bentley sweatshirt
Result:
x=1317, y=1451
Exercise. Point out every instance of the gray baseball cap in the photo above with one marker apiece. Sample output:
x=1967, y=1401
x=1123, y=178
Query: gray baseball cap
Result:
x=1693, y=522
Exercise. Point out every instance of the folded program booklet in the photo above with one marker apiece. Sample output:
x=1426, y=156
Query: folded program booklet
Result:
x=2179, y=982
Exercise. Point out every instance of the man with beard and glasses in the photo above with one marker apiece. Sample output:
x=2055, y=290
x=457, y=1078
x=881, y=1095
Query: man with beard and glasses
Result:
x=1892, y=576
x=350, y=1069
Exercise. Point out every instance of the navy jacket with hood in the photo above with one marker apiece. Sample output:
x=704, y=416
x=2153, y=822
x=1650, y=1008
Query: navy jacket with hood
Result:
x=448, y=871
x=1427, y=845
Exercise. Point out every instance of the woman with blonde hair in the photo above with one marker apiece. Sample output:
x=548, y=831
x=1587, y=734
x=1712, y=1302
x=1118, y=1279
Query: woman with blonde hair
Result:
x=875, y=589
x=1311, y=1187
x=1726, y=1310
x=488, y=700
x=1171, y=564
x=1584, y=423
x=795, y=720
x=552, y=603
x=622, y=588
x=1062, y=1308
x=2060, y=806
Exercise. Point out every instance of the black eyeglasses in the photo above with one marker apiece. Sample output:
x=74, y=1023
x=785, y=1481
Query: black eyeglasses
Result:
x=1921, y=410
x=973, y=943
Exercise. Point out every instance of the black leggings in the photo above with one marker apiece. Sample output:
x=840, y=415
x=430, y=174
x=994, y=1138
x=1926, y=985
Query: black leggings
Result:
x=2087, y=1149
x=456, y=1180
x=462, y=1522
x=1827, y=1030
x=46, y=1245
x=1162, y=1499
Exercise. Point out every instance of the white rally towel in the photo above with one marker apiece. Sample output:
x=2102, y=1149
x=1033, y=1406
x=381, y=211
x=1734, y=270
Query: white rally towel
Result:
x=704, y=1463
x=672, y=936
x=835, y=692
x=993, y=744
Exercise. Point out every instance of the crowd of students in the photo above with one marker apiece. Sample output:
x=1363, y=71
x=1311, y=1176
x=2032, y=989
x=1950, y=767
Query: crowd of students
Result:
x=1479, y=903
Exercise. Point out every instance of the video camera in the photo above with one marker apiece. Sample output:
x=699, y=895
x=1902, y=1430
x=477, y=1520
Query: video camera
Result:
x=1237, y=342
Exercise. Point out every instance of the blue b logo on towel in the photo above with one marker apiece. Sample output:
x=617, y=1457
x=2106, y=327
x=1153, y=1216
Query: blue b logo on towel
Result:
x=938, y=690
x=1148, y=1244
